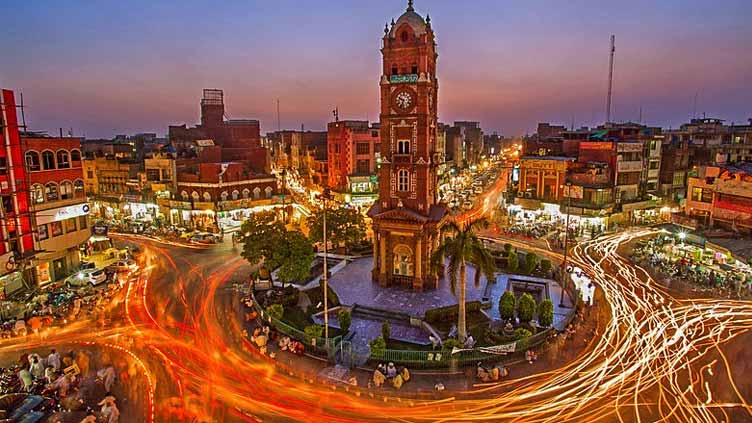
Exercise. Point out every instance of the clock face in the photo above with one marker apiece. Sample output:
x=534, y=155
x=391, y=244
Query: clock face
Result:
x=404, y=100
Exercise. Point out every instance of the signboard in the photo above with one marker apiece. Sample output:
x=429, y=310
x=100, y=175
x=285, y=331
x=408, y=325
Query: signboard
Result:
x=100, y=229
x=499, y=349
x=629, y=147
x=62, y=213
x=401, y=79
x=594, y=145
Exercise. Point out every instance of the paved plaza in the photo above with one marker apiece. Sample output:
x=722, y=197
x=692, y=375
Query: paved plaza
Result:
x=353, y=285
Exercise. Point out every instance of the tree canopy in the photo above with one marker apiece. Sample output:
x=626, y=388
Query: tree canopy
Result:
x=344, y=226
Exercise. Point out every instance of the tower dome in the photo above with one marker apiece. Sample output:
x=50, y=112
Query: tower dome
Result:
x=412, y=18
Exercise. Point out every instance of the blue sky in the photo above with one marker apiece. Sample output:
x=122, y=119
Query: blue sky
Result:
x=107, y=67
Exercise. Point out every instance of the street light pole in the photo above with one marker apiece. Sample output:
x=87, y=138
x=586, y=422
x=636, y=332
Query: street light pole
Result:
x=324, y=197
x=566, y=245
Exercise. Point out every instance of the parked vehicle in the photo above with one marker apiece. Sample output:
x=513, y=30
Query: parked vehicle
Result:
x=86, y=276
x=122, y=266
x=203, y=238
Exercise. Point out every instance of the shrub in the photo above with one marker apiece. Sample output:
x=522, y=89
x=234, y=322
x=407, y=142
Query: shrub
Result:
x=386, y=331
x=525, y=308
x=450, y=343
x=546, y=313
x=513, y=262
x=507, y=248
x=314, y=331
x=344, y=319
x=377, y=346
x=521, y=335
x=545, y=266
x=276, y=311
x=506, y=305
x=531, y=263
x=450, y=313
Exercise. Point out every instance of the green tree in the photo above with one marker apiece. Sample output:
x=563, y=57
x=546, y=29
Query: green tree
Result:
x=461, y=248
x=531, y=263
x=521, y=333
x=386, y=331
x=525, y=308
x=345, y=319
x=546, y=313
x=295, y=256
x=261, y=234
x=451, y=343
x=377, y=346
x=276, y=311
x=508, y=248
x=506, y=305
x=344, y=226
x=513, y=262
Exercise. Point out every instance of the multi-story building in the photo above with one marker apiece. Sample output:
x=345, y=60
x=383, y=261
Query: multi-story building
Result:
x=16, y=242
x=58, y=204
x=112, y=185
x=541, y=179
x=464, y=143
x=672, y=179
x=721, y=196
x=353, y=155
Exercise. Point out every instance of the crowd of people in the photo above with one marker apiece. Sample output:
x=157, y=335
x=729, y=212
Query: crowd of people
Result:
x=659, y=254
x=389, y=373
x=71, y=385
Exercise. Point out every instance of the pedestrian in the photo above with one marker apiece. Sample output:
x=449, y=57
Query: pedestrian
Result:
x=28, y=381
x=36, y=368
x=107, y=375
x=54, y=360
x=49, y=374
x=110, y=412
x=90, y=418
x=82, y=359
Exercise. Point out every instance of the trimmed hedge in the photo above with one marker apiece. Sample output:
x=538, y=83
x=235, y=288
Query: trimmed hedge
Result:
x=450, y=313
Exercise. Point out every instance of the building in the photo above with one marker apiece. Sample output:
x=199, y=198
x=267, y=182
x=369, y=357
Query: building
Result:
x=112, y=185
x=59, y=205
x=407, y=216
x=672, y=177
x=541, y=179
x=16, y=241
x=218, y=196
x=464, y=143
x=353, y=156
x=721, y=196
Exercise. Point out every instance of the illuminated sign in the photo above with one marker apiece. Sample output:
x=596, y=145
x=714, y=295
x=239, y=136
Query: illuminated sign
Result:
x=400, y=79
x=62, y=213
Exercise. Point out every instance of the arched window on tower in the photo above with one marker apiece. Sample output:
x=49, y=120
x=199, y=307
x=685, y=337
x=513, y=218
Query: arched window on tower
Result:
x=268, y=192
x=63, y=159
x=395, y=71
x=403, y=147
x=403, y=260
x=48, y=160
x=207, y=197
x=403, y=180
x=256, y=193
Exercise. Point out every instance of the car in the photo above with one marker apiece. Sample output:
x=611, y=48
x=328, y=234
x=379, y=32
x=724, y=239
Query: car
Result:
x=86, y=276
x=468, y=205
x=122, y=266
x=203, y=239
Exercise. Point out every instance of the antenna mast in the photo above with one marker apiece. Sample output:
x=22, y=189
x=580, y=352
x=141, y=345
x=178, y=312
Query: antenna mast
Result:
x=610, y=78
x=279, y=127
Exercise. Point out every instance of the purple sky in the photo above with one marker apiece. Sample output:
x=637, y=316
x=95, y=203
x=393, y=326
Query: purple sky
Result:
x=110, y=67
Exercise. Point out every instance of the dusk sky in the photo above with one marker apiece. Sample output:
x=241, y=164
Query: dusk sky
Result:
x=121, y=67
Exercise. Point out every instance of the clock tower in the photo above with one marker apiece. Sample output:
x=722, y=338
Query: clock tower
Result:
x=407, y=217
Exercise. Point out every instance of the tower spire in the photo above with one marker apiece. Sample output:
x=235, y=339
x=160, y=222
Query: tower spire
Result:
x=410, y=6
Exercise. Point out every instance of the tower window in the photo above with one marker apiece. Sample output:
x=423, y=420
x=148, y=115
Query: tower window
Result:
x=415, y=69
x=394, y=70
x=403, y=147
x=403, y=36
x=403, y=180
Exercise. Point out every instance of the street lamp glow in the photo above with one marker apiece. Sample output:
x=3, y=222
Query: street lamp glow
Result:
x=682, y=235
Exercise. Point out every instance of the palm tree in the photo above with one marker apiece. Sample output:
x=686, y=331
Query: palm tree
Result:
x=463, y=247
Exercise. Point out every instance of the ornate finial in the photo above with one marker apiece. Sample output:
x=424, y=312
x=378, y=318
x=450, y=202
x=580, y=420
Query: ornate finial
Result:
x=392, y=21
x=410, y=6
x=386, y=28
x=428, y=19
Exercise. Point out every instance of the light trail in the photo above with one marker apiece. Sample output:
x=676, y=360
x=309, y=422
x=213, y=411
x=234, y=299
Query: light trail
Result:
x=652, y=361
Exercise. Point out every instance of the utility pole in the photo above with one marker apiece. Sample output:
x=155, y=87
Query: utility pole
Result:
x=279, y=126
x=324, y=198
x=566, y=245
x=610, y=78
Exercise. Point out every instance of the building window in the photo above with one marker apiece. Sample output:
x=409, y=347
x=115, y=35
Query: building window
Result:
x=153, y=175
x=63, y=159
x=415, y=69
x=32, y=161
x=403, y=147
x=184, y=195
x=56, y=228
x=268, y=191
x=654, y=165
x=70, y=225
x=48, y=160
x=90, y=174
x=678, y=179
x=223, y=196
x=195, y=196
x=82, y=223
x=236, y=194
x=256, y=193
x=403, y=180
x=42, y=232
x=363, y=166
x=51, y=192
x=362, y=148
x=394, y=70
x=78, y=188
x=37, y=193
x=207, y=197
x=75, y=156
x=66, y=190
x=246, y=193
